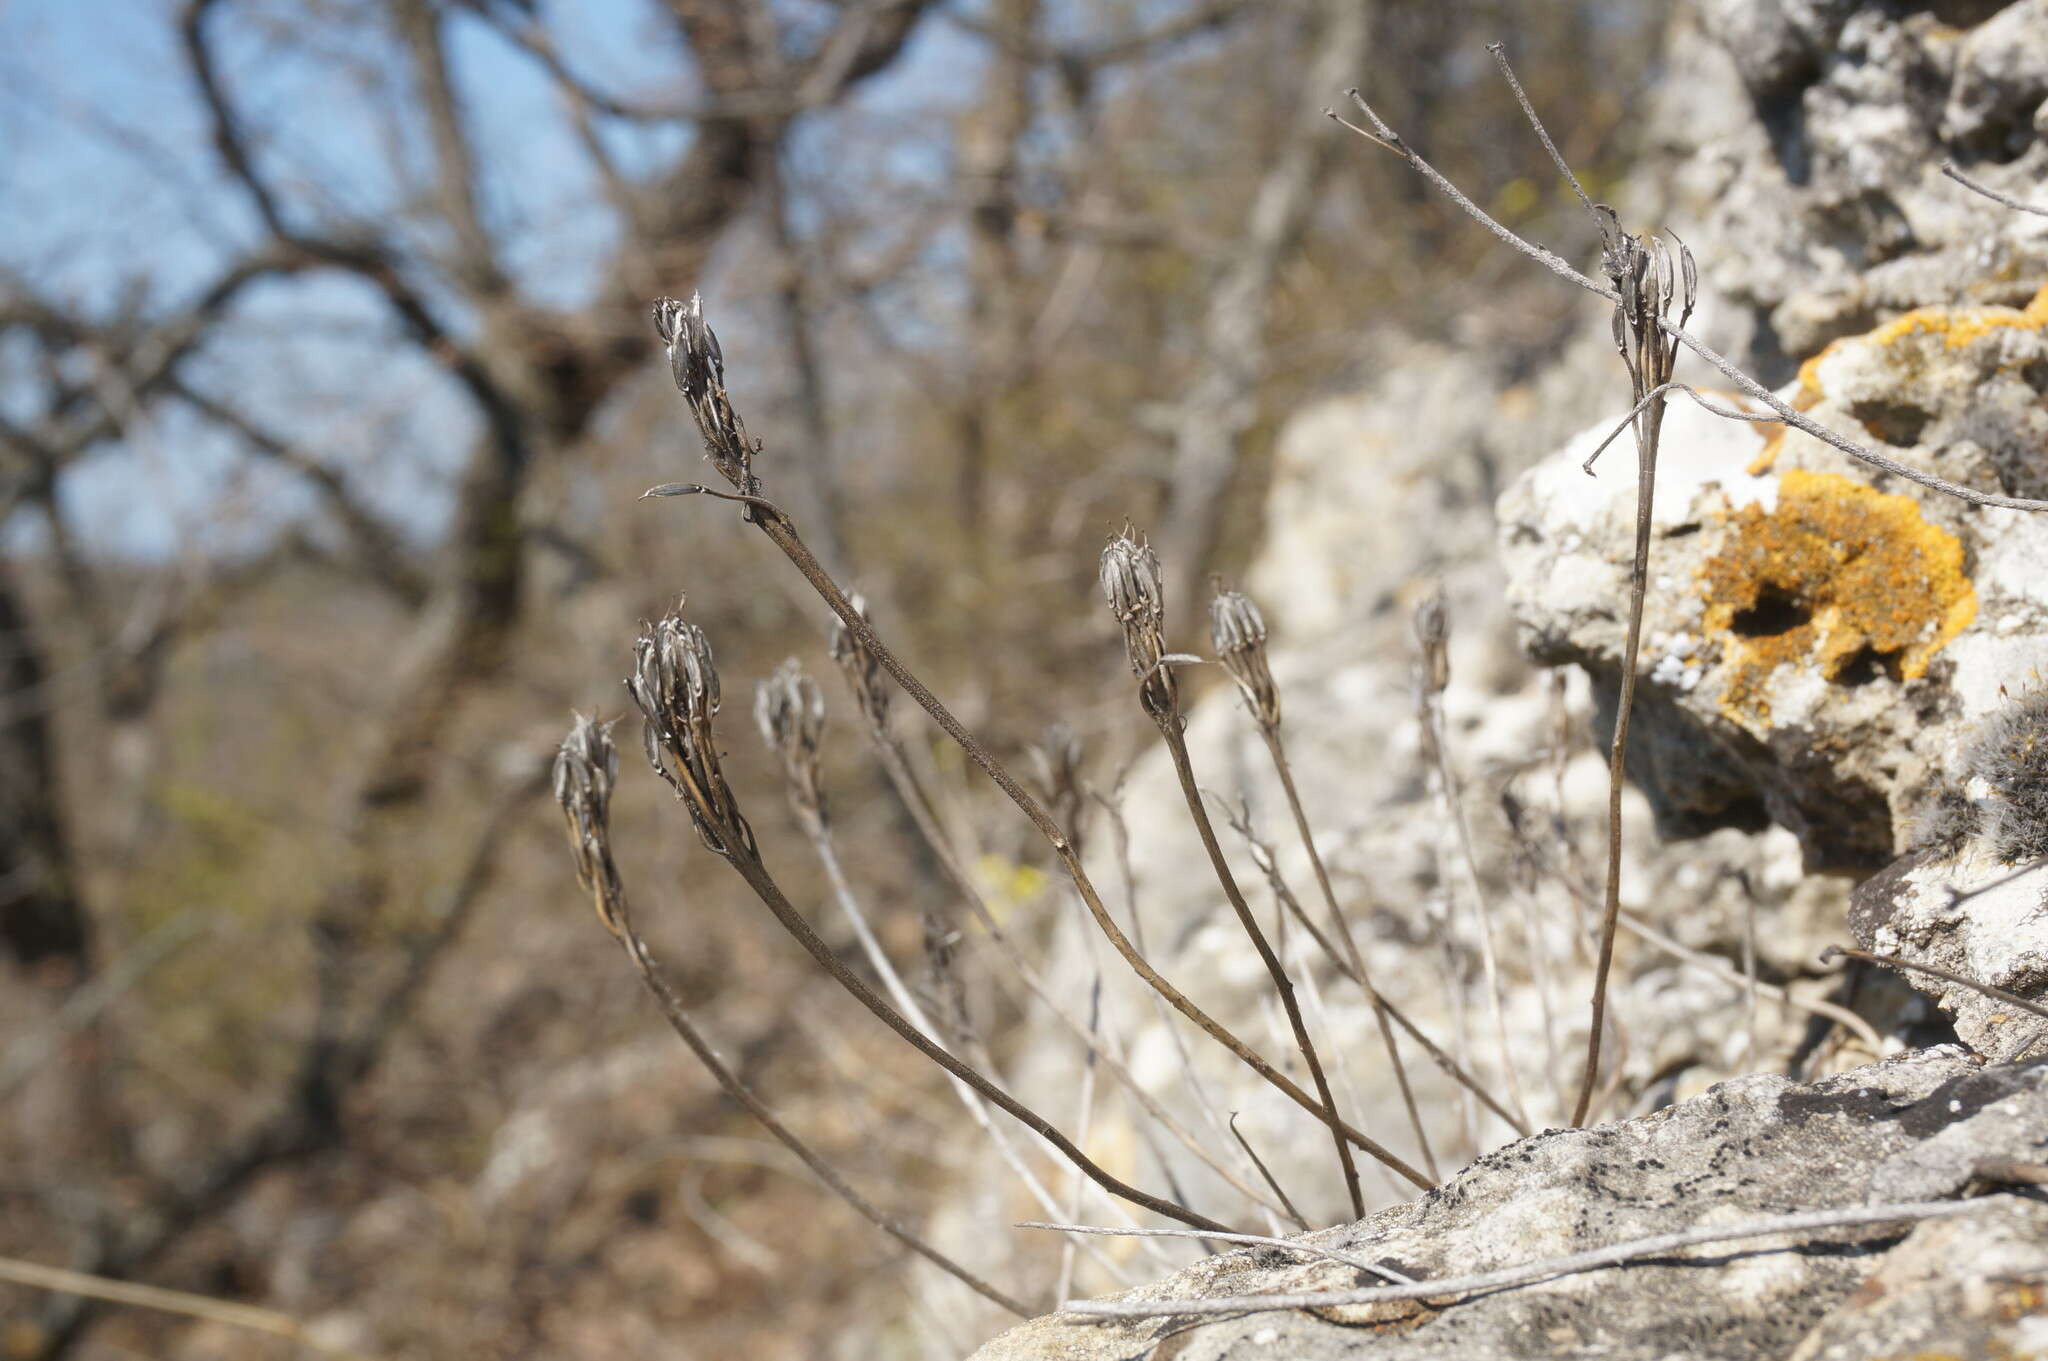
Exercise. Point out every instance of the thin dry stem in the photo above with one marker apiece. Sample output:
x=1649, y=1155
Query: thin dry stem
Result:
x=1385, y=1273
x=1177, y=748
x=1936, y=971
x=1265, y=1172
x=36, y=1276
x=1432, y=632
x=1948, y=168
x=1594, y=1259
x=1284, y=768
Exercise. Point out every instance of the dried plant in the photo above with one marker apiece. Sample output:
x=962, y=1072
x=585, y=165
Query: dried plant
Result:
x=1131, y=584
x=586, y=767
x=1433, y=677
x=1238, y=631
x=774, y=522
x=790, y=713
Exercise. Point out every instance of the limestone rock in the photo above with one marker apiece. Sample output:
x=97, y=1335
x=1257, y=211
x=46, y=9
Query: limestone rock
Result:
x=1824, y=208
x=1913, y=1127
x=1831, y=648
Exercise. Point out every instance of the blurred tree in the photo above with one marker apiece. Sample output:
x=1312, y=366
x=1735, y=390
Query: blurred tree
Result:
x=325, y=329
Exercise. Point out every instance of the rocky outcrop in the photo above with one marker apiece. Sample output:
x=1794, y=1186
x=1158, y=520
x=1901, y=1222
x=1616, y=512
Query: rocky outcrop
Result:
x=1827, y=648
x=1914, y=1128
x=1838, y=669
x=1823, y=642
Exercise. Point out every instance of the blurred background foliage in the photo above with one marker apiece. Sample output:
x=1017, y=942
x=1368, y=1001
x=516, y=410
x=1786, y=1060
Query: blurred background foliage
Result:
x=326, y=388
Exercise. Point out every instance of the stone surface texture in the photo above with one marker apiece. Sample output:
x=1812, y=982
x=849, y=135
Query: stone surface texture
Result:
x=1832, y=664
x=1910, y=1128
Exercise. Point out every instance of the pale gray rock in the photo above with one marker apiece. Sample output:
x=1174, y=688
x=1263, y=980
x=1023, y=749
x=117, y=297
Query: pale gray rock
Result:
x=1821, y=207
x=1747, y=1149
x=1800, y=159
x=1835, y=650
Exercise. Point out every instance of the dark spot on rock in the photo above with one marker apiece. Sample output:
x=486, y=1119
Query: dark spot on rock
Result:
x=1868, y=664
x=1899, y=424
x=1774, y=613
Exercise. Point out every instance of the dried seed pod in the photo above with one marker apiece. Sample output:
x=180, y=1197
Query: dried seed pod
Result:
x=1131, y=584
x=586, y=768
x=675, y=685
x=790, y=713
x=865, y=678
x=698, y=367
x=1238, y=631
x=1433, y=632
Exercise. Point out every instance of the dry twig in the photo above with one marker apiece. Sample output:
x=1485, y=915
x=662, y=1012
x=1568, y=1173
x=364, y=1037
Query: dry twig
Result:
x=1238, y=631
x=1593, y=1259
x=782, y=532
x=585, y=770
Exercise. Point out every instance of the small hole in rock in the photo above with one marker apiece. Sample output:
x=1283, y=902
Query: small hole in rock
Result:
x=1867, y=665
x=1899, y=424
x=1773, y=615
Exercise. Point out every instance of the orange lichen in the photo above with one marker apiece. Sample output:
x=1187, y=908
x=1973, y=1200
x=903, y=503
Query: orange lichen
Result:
x=1841, y=578
x=1958, y=326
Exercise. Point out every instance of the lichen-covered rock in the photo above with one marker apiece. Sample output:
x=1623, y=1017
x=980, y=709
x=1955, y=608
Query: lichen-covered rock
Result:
x=1831, y=648
x=1911, y=1128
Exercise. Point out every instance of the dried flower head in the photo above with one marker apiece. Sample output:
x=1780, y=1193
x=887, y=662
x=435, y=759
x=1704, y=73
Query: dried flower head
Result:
x=1652, y=280
x=1132, y=586
x=675, y=685
x=864, y=675
x=699, y=369
x=586, y=768
x=790, y=713
x=1239, y=632
x=1433, y=633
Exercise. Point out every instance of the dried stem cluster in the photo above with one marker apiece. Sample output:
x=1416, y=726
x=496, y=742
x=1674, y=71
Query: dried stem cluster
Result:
x=1652, y=285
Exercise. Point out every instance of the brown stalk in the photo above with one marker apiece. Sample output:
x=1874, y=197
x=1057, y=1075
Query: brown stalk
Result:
x=1935, y=971
x=1645, y=281
x=1450, y=1066
x=781, y=531
x=1177, y=747
x=1132, y=584
x=584, y=772
x=1265, y=1172
x=1432, y=633
x=872, y=702
x=1649, y=281
x=1238, y=631
x=676, y=686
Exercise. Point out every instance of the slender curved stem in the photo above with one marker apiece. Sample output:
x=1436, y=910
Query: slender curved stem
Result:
x=1593, y=1259
x=1183, y=766
x=773, y=522
x=1278, y=751
x=679, y=1021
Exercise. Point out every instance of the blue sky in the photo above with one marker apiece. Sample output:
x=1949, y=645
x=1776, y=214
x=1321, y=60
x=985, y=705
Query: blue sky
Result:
x=111, y=191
